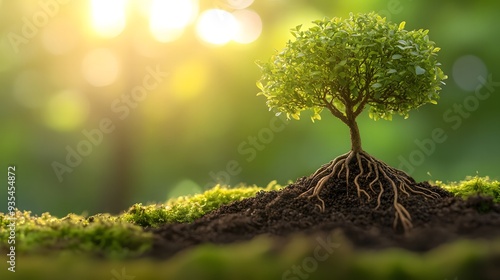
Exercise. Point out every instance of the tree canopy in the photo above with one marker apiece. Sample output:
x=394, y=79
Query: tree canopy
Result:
x=344, y=65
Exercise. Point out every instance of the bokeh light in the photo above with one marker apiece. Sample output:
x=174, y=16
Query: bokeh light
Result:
x=101, y=67
x=168, y=18
x=217, y=26
x=250, y=26
x=239, y=4
x=108, y=17
x=183, y=188
x=466, y=71
x=66, y=111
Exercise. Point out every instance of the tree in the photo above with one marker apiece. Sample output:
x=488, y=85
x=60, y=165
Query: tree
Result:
x=344, y=66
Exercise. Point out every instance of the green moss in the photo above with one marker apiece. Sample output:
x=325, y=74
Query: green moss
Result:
x=473, y=186
x=114, y=236
x=101, y=234
x=123, y=235
x=188, y=208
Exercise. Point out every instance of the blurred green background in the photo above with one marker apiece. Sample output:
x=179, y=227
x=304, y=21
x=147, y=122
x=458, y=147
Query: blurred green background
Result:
x=67, y=66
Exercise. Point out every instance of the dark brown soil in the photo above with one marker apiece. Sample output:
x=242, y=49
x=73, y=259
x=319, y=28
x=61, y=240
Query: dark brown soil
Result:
x=281, y=213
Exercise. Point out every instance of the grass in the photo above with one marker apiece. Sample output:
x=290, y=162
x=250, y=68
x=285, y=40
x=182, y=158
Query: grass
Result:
x=48, y=247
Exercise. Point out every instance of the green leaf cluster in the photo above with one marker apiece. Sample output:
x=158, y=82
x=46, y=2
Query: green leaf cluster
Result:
x=344, y=65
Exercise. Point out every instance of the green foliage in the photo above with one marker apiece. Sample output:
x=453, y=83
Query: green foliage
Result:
x=187, y=208
x=474, y=186
x=345, y=64
x=100, y=234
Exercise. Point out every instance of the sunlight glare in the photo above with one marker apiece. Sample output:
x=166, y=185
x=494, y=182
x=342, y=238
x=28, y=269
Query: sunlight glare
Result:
x=217, y=26
x=108, y=17
x=168, y=18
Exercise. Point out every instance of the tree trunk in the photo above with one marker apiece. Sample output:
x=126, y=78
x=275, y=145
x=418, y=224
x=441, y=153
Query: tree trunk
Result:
x=355, y=137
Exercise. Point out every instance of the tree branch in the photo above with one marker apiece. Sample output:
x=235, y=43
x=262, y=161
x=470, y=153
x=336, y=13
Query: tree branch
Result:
x=335, y=111
x=366, y=96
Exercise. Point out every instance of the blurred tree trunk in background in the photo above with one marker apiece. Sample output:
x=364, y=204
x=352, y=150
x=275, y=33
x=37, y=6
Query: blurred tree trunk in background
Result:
x=117, y=193
x=120, y=181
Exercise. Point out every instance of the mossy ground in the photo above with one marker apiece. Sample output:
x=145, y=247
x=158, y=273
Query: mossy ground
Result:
x=115, y=236
x=100, y=246
x=473, y=186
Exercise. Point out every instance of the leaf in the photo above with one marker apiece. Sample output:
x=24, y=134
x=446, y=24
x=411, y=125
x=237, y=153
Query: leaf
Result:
x=259, y=85
x=315, y=117
x=396, y=56
x=376, y=85
x=402, y=25
x=296, y=116
x=419, y=70
x=390, y=71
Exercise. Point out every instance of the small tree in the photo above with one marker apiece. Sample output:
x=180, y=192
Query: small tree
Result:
x=346, y=65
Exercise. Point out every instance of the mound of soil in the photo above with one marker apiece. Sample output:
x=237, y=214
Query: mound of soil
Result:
x=280, y=213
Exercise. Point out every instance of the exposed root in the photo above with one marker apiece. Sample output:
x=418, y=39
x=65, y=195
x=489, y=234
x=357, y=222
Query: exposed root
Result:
x=369, y=167
x=334, y=165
